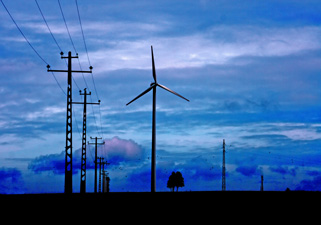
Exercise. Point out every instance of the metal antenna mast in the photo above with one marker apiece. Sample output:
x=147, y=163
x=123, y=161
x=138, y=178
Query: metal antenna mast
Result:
x=84, y=132
x=68, y=155
x=223, y=168
x=96, y=162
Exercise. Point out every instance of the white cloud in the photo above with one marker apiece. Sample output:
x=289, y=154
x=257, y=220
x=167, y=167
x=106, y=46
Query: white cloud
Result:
x=302, y=134
x=47, y=112
x=216, y=46
x=117, y=148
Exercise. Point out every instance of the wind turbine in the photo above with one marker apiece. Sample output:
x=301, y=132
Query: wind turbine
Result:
x=153, y=86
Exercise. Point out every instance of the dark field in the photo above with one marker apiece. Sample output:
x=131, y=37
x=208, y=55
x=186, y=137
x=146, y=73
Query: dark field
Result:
x=134, y=206
x=195, y=196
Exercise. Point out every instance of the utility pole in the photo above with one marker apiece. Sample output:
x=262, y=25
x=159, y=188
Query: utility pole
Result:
x=84, y=132
x=68, y=150
x=104, y=175
x=107, y=181
x=261, y=182
x=223, y=168
x=96, y=138
x=99, y=184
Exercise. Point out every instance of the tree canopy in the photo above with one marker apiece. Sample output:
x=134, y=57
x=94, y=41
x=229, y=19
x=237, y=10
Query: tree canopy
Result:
x=175, y=180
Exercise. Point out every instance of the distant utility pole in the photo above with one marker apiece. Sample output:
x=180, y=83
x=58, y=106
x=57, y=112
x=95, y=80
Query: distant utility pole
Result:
x=84, y=128
x=106, y=181
x=96, y=138
x=99, y=184
x=104, y=174
x=261, y=182
x=68, y=155
x=223, y=168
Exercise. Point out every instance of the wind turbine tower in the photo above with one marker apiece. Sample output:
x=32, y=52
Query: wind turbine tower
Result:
x=153, y=86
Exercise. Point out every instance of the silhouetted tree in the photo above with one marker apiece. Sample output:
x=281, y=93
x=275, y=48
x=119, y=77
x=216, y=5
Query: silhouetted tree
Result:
x=175, y=180
x=171, y=181
x=179, y=180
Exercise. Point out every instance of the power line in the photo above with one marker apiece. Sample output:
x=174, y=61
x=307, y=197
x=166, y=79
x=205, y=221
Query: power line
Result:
x=44, y=19
x=58, y=83
x=61, y=10
x=83, y=36
x=48, y=26
x=23, y=34
x=63, y=16
x=74, y=49
x=84, y=40
x=76, y=123
x=31, y=44
x=101, y=126
x=62, y=13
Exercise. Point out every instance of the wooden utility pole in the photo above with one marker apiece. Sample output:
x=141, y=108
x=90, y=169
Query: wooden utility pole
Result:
x=68, y=150
x=96, y=138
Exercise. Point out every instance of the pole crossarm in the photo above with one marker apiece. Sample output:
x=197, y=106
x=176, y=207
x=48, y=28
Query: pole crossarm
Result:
x=88, y=103
x=96, y=138
x=73, y=71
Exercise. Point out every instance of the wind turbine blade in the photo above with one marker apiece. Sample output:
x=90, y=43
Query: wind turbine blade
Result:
x=153, y=64
x=167, y=89
x=146, y=91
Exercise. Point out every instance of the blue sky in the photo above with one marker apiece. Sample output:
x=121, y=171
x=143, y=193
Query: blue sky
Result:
x=251, y=70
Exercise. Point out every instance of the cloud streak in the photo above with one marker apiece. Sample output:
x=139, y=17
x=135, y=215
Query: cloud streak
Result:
x=216, y=46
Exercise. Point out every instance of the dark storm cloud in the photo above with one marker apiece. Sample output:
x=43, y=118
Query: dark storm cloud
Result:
x=284, y=170
x=310, y=185
x=52, y=162
x=248, y=170
x=11, y=181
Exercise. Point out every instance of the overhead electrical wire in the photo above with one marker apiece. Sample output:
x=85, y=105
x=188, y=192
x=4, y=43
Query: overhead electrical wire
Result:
x=23, y=34
x=72, y=43
x=44, y=19
x=84, y=40
x=82, y=32
x=37, y=53
x=62, y=13
x=83, y=36
x=48, y=26
x=42, y=59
